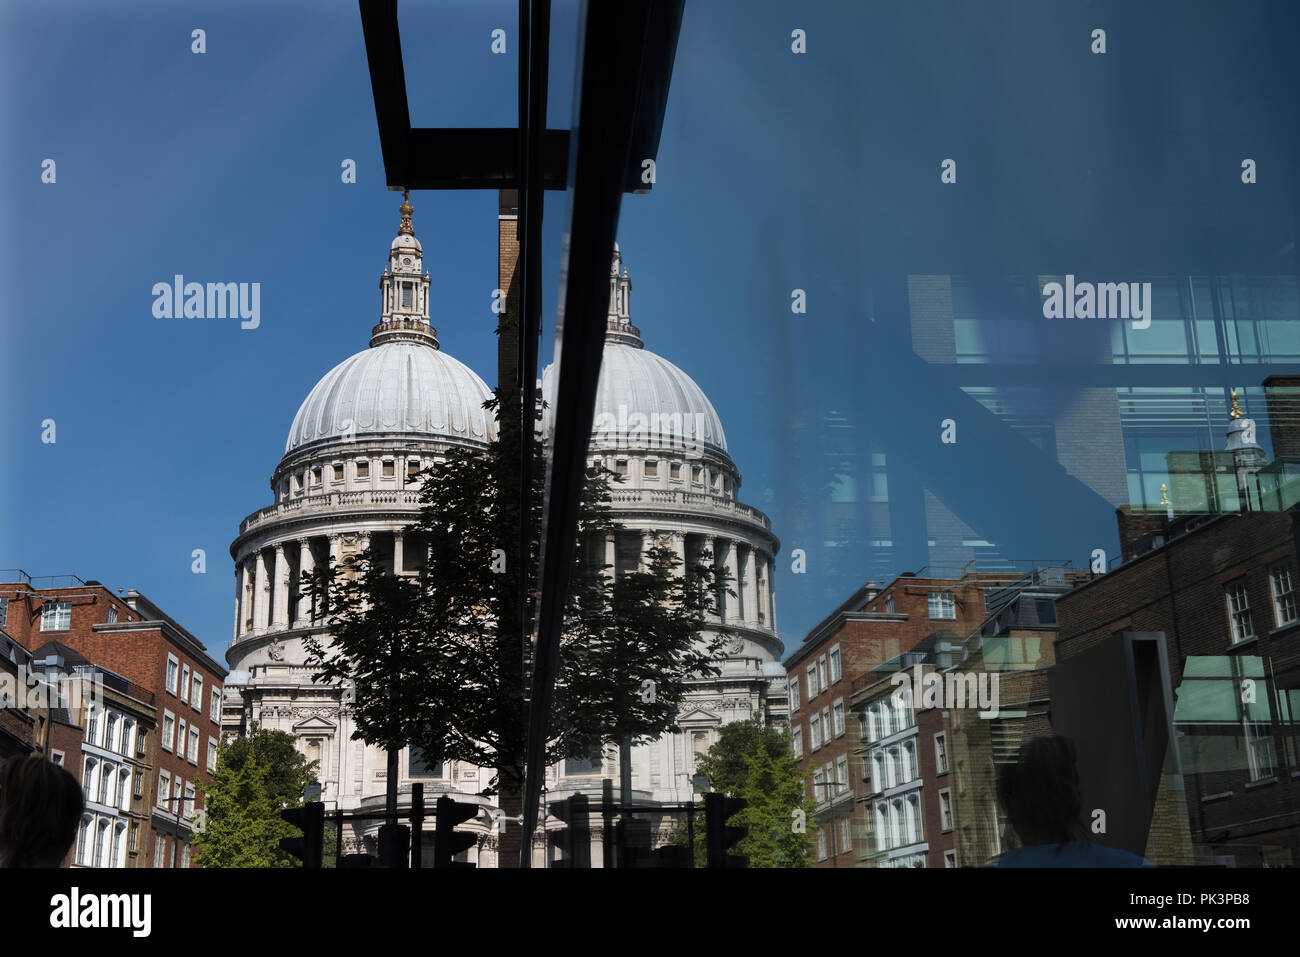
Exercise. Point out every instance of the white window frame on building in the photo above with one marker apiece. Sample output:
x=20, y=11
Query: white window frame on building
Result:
x=185, y=683
x=940, y=752
x=168, y=731
x=1281, y=584
x=841, y=774
x=837, y=716
x=796, y=742
x=162, y=798
x=794, y=693
x=822, y=683
x=945, y=810
x=941, y=605
x=1240, y=620
x=812, y=681
x=173, y=673
x=814, y=733
x=214, y=712
x=212, y=753
x=196, y=692
x=837, y=670
x=56, y=616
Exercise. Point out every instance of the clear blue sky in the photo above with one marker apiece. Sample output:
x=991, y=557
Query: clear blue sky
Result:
x=776, y=171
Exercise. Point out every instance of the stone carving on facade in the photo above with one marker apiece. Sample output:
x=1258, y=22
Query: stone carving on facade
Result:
x=275, y=650
x=314, y=713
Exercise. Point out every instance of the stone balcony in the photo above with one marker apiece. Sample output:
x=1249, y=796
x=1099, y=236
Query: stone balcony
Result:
x=676, y=500
x=359, y=500
x=386, y=499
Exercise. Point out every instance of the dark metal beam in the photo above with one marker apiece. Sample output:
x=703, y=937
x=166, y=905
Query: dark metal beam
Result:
x=438, y=158
x=388, y=84
x=625, y=68
x=478, y=159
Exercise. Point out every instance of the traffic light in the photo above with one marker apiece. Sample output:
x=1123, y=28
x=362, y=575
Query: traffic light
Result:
x=574, y=841
x=718, y=809
x=310, y=819
x=394, y=845
x=447, y=841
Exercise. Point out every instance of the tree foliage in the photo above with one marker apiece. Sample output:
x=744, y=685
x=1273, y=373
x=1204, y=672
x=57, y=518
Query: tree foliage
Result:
x=755, y=762
x=254, y=779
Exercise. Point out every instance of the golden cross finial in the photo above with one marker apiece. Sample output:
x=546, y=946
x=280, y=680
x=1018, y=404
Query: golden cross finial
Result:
x=1164, y=494
x=1236, y=412
x=406, y=209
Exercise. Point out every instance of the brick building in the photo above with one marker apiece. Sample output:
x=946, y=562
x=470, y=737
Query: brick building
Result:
x=841, y=655
x=1221, y=591
x=157, y=676
x=110, y=745
x=1211, y=576
x=930, y=746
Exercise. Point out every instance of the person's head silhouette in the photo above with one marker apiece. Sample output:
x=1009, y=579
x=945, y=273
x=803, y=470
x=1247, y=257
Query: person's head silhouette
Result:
x=40, y=810
x=1040, y=793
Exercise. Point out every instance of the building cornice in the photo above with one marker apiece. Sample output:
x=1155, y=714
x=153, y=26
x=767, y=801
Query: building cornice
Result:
x=184, y=641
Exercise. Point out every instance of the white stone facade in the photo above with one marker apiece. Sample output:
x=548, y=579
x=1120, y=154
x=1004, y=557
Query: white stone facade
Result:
x=395, y=408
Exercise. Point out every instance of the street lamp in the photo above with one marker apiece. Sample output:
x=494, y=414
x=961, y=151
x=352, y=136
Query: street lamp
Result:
x=176, y=854
x=834, y=840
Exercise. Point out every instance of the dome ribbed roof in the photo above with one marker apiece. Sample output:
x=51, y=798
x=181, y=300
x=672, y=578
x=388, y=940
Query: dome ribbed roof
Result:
x=644, y=401
x=406, y=388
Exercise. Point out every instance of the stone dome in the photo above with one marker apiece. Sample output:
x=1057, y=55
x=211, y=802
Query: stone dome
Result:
x=395, y=388
x=644, y=401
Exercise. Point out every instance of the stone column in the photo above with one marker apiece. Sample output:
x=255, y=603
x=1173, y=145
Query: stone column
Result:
x=397, y=553
x=729, y=548
x=646, y=538
x=259, y=591
x=611, y=553
x=238, y=595
x=241, y=578
x=280, y=594
x=740, y=559
x=771, y=601
x=363, y=542
x=764, y=583
x=770, y=596
x=751, y=586
x=711, y=545
x=306, y=563
x=679, y=543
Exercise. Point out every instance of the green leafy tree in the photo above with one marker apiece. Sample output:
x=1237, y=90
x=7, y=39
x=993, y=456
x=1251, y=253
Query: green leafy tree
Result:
x=441, y=659
x=288, y=772
x=256, y=777
x=243, y=827
x=755, y=762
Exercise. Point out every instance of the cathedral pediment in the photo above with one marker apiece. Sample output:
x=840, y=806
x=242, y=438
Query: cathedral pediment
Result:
x=699, y=716
x=315, y=724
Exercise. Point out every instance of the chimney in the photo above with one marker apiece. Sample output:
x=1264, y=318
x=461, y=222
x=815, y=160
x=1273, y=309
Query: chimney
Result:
x=507, y=259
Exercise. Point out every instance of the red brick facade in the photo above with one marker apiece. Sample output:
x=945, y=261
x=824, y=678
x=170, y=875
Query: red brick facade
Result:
x=1242, y=798
x=132, y=638
x=874, y=626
